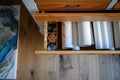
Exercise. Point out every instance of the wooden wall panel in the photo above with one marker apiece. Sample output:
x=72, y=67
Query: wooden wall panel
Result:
x=67, y=1
x=31, y=66
x=58, y=67
x=91, y=67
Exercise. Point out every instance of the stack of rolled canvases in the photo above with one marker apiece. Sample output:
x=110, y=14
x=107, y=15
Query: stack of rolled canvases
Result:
x=101, y=34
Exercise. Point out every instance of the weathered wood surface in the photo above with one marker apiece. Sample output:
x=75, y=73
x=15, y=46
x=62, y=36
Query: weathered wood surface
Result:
x=90, y=67
x=56, y=67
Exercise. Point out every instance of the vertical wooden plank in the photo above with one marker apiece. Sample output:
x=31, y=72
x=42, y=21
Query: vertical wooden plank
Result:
x=83, y=67
x=47, y=67
x=69, y=67
x=116, y=67
x=29, y=40
x=93, y=67
x=45, y=34
x=106, y=67
x=80, y=67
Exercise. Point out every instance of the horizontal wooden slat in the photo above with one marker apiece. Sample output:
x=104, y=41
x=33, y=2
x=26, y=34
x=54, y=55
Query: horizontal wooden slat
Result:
x=68, y=1
x=117, y=6
x=72, y=7
x=79, y=52
x=77, y=17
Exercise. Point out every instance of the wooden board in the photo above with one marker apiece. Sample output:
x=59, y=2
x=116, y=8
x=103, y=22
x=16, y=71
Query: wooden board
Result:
x=54, y=67
x=90, y=67
x=67, y=1
x=117, y=6
x=45, y=34
x=79, y=52
x=73, y=7
x=77, y=17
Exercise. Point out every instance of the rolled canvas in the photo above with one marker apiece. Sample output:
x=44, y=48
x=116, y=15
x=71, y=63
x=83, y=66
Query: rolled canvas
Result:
x=97, y=35
x=85, y=35
x=116, y=27
x=103, y=35
x=75, y=36
x=67, y=35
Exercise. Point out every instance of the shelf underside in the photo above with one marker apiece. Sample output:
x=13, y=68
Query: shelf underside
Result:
x=79, y=52
x=77, y=17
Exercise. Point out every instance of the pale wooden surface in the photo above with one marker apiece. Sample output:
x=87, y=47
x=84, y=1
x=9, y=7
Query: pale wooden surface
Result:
x=77, y=16
x=91, y=67
x=79, y=52
x=64, y=67
x=45, y=34
x=54, y=67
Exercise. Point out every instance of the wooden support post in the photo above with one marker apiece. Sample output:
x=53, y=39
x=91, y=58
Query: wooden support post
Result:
x=45, y=33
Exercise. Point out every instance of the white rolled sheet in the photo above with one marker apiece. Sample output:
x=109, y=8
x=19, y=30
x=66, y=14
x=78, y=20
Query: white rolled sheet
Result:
x=97, y=35
x=75, y=36
x=103, y=35
x=67, y=35
x=116, y=27
x=85, y=35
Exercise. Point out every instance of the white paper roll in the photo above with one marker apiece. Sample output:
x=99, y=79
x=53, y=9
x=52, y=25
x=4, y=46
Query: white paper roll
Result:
x=103, y=35
x=85, y=36
x=75, y=36
x=116, y=27
x=97, y=35
x=67, y=35
x=110, y=35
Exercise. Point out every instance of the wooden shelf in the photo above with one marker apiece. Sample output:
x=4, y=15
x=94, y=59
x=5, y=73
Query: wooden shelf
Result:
x=42, y=52
x=45, y=17
x=39, y=17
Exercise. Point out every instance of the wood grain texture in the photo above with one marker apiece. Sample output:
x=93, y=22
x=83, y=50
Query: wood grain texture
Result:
x=82, y=67
x=68, y=1
x=47, y=67
x=52, y=67
x=109, y=67
x=117, y=6
x=45, y=34
x=29, y=36
x=73, y=7
x=79, y=52
x=31, y=66
x=91, y=67
x=77, y=16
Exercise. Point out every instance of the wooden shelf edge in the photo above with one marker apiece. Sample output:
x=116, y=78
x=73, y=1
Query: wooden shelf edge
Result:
x=77, y=17
x=42, y=52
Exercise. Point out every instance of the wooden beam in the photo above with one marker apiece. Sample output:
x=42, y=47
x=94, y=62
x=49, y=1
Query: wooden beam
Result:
x=79, y=52
x=77, y=17
x=45, y=34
